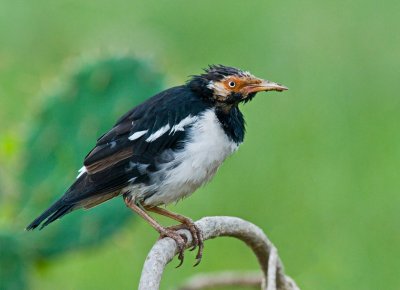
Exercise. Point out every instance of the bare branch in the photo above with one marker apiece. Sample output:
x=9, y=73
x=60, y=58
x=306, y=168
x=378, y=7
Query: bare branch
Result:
x=222, y=279
x=165, y=249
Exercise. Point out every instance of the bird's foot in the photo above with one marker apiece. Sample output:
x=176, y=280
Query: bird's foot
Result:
x=179, y=239
x=185, y=223
x=197, y=235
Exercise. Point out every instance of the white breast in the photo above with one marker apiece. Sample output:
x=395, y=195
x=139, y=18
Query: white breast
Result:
x=207, y=147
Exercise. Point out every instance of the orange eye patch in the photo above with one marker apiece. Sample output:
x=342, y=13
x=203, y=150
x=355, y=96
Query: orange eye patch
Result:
x=235, y=84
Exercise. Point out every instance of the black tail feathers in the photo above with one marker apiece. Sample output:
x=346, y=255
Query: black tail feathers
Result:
x=56, y=211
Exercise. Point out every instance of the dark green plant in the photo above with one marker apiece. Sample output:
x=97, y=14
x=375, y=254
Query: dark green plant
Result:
x=89, y=103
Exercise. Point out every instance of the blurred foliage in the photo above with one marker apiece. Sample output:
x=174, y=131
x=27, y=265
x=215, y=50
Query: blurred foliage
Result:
x=63, y=132
x=13, y=261
x=319, y=168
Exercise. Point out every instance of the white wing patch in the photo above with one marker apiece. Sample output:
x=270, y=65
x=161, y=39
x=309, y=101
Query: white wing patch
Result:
x=137, y=135
x=132, y=180
x=184, y=122
x=178, y=127
x=158, y=133
x=81, y=171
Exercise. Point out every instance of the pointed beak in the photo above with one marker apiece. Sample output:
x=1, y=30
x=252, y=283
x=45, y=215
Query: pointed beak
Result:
x=264, y=85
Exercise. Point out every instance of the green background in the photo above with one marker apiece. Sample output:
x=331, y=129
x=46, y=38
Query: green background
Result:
x=319, y=169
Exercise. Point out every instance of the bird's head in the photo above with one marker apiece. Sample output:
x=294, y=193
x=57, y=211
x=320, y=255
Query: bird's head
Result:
x=229, y=86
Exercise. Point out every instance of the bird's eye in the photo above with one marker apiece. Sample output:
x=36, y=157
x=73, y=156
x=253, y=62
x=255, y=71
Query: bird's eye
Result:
x=232, y=84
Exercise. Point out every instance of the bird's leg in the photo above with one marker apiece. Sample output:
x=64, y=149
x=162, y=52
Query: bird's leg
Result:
x=165, y=232
x=186, y=223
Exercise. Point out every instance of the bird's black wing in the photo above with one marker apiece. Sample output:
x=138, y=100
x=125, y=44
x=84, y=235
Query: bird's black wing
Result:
x=138, y=138
x=136, y=141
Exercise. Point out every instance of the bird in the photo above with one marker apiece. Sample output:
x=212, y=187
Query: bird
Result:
x=164, y=149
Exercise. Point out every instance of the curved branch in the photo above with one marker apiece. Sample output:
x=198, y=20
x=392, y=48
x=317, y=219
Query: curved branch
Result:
x=222, y=279
x=165, y=249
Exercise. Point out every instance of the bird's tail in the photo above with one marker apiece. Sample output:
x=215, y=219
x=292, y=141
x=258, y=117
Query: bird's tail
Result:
x=84, y=193
x=57, y=210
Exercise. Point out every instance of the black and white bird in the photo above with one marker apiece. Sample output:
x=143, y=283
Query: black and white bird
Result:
x=164, y=149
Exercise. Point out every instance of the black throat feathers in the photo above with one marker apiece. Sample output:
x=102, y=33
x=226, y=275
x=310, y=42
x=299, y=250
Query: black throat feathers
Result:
x=232, y=122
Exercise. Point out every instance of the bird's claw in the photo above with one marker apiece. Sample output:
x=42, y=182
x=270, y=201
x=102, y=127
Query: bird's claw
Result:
x=180, y=241
x=197, y=241
x=197, y=238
